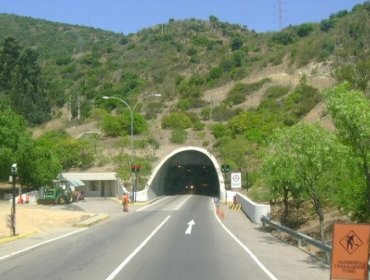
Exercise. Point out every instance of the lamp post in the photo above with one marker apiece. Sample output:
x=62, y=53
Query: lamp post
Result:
x=14, y=176
x=132, y=110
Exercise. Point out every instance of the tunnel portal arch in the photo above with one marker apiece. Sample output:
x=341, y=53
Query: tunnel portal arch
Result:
x=185, y=170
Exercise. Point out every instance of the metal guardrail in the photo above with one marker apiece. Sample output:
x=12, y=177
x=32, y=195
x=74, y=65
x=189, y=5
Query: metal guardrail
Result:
x=300, y=237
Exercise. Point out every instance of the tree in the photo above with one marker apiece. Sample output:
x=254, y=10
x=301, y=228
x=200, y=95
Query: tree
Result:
x=28, y=94
x=37, y=165
x=304, y=29
x=357, y=75
x=238, y=152
x=279, y=177
x=176, y=120
x=6, y=160
x=213, y=19
x=350, y=110
x=70, y=152
x=9, y=55
x=12, y=128
x=304, y=158
x=236, y=44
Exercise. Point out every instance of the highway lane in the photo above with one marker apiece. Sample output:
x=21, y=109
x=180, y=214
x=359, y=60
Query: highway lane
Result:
x=154, y=243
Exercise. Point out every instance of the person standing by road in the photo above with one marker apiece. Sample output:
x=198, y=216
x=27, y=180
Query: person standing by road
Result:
x=125, y=201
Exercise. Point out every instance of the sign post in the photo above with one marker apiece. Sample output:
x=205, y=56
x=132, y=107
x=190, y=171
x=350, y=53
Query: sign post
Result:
x=14, y=177
x=225, y=168
x=350, y=253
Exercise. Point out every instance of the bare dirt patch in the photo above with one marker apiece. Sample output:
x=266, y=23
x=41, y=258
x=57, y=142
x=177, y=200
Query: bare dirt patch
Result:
x=37, y=218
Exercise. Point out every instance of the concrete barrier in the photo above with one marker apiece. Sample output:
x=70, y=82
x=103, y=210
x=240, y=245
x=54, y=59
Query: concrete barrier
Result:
x=253, y=210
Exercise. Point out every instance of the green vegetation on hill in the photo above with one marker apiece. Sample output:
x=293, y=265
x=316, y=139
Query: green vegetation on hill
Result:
x=46, y=66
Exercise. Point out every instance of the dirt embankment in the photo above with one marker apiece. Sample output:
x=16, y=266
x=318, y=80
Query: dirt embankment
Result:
x=37, y=218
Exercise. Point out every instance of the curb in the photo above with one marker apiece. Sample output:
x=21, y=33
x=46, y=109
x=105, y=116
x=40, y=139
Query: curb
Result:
x=16, y=237
x=92, y=220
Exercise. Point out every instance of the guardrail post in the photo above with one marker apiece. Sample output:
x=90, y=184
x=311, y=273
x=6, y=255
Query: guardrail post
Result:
x=299, y=243
x=327, y=257
x=302, y=239
x=263, y=221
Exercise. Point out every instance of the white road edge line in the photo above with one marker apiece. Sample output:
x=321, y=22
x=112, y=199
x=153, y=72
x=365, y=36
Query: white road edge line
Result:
x=249, y=252
x=40, y=244
x=137, y=250
x=151, y=204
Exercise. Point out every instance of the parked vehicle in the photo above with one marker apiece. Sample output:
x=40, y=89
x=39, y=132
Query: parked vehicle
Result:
x=58, y=193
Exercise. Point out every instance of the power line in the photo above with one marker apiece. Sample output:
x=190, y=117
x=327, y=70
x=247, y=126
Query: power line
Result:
x=280, y=13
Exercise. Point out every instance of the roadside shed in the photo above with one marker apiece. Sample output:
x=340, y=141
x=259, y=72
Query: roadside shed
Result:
x=103, y=184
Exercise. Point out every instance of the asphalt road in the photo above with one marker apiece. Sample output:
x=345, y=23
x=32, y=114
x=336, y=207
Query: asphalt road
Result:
x=159, y=241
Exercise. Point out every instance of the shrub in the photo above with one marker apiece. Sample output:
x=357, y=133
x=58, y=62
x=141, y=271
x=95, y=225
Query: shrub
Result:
x=198, y=126
x=192, y=51
x=239, y=91
x=276, y=91
x=236, y=44
x=183, y=104
x=220, y=130
x=176, y=120
x=178, y=136
x=327, y=24
x=222, y=113
x=111, y=126
x=283, y=38
x=60, y=61
x=304, y=29
x=215, y=73
x=300, y=102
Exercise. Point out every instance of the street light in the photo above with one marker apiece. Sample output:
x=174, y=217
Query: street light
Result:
x=132, y=110
x=14, y=177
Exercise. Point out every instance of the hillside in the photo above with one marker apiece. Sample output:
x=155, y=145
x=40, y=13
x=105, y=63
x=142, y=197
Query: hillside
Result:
x=223, y=87
x=193, y=64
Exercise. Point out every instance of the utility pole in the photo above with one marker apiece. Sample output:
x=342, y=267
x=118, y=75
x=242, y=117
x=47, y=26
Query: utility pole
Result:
x=14, y=176
x=78, y=105
x=70, y=108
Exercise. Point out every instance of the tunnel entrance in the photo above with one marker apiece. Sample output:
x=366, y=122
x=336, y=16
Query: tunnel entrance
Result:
x=188, y=170
x=191, y=172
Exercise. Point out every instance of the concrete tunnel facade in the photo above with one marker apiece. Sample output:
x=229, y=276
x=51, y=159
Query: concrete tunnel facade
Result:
x=185, y=170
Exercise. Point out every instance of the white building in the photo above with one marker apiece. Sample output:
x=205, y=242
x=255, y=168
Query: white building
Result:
x=98, y=184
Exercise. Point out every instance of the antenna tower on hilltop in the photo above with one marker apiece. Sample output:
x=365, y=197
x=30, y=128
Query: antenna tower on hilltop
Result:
x=280, y=9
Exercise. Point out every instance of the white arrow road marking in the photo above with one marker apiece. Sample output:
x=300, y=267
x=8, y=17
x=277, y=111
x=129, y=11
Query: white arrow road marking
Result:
x=190, y=226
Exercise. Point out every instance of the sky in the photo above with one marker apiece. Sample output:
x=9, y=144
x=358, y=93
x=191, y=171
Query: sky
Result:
x=122, y=16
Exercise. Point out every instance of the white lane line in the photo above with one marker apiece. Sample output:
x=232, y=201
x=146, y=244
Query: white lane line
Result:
x=249, y=252
x=137, y=250
x=151, y=204
x=42, y=243
x=182, y=203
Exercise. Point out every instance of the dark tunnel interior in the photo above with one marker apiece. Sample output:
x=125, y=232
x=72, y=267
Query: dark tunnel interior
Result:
x=189, y=172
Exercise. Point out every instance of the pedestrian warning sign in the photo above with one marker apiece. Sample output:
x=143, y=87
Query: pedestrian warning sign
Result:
x=350, y=252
